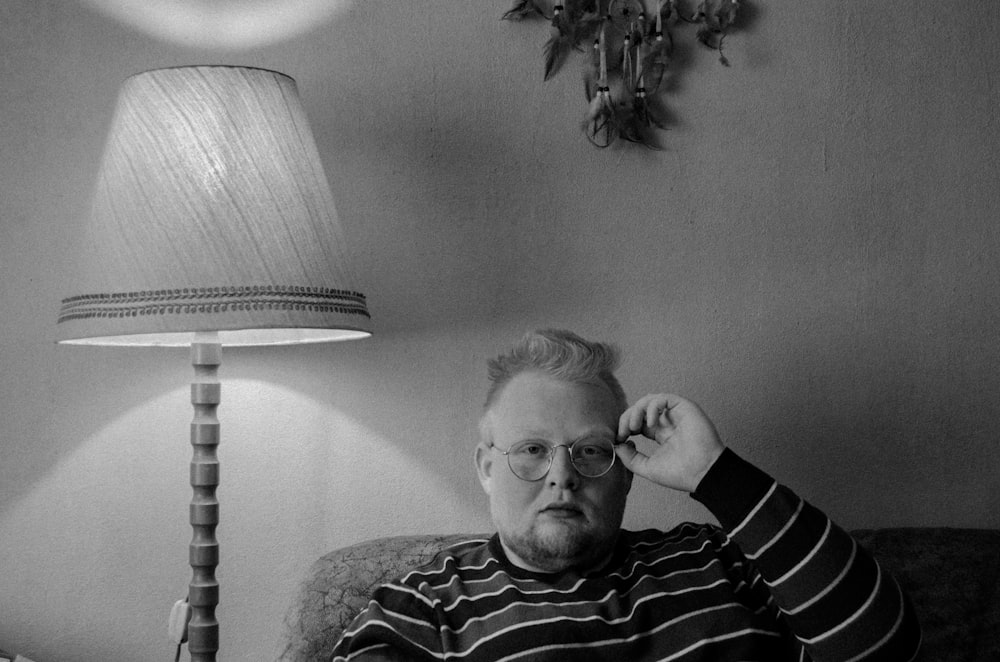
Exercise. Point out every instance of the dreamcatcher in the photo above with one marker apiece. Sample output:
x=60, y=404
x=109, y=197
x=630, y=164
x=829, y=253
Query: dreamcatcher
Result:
x=629, y=58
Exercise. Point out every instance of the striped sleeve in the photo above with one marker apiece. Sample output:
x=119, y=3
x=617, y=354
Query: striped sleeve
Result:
x=834, y=596
x=397, y=624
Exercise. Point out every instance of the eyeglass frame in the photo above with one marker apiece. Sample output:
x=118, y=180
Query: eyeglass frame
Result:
x=552, y=454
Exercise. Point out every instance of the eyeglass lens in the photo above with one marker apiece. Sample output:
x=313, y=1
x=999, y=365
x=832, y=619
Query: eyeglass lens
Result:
x=530, y=460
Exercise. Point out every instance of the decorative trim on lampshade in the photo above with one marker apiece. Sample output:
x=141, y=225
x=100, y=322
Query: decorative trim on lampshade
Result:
x=212, y=213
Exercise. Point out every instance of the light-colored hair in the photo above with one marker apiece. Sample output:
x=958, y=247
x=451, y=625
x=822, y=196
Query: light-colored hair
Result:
x=560, y=354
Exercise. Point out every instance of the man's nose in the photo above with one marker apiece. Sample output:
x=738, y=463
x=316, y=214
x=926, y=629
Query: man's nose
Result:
x=562, y=473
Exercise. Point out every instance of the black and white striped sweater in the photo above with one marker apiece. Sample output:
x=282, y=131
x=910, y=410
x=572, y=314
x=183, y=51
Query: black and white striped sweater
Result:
x=778, y=581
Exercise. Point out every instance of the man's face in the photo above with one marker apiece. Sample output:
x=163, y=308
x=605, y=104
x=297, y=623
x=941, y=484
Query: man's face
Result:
x=565, y=519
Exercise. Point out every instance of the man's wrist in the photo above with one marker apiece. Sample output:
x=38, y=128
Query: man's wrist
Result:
x=708, y=467
x=731, y=488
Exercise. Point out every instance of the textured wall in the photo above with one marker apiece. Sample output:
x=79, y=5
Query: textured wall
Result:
x=813, y=257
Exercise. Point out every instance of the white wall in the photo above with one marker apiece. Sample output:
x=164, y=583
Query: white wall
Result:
x=813, y=257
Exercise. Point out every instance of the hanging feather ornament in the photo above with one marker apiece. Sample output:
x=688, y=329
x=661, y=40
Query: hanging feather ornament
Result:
x=625, y=78
x=718, y=15
x=657, y=47
x=601, y=124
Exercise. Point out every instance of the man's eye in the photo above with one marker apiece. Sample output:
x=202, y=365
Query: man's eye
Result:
x=594, y=450
x=531, y=449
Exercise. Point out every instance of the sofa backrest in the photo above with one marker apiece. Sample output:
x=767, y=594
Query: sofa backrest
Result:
x=952, y=576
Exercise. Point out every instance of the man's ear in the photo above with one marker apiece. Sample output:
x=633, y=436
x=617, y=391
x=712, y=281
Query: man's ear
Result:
x=484, y=465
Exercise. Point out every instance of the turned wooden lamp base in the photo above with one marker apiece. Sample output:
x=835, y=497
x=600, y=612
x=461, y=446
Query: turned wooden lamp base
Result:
x=203, y=592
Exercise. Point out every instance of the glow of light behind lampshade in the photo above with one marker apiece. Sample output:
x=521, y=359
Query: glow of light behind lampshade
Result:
x=212, y=212
x=227, y=24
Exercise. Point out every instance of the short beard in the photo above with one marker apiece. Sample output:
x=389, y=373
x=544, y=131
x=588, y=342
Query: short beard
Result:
x=574, y=549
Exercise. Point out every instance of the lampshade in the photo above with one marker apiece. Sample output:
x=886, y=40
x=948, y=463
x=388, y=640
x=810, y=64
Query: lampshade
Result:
x=212, y=212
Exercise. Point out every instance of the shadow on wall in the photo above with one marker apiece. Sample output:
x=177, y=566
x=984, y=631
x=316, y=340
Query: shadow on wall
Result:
x=873, y=429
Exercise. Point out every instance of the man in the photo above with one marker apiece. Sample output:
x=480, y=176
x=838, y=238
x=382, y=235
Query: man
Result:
x=562, y=581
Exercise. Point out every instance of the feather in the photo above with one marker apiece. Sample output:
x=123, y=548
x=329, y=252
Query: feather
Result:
x=657, y=46
x=646, y=116
x=635, y=122
x=557, y=48
x=665, y=11
x=656, y=59
x=633, y=47
x=647, y=111
x=726, y=14
x=572, y=26
x=627, y=66
x=601, y=124
x=589, y=23
x=578, y=22
x=597, y=106
x=522, y=9
x=706, y=36
x=697, y=16
x=592, y=72
x=719, y=16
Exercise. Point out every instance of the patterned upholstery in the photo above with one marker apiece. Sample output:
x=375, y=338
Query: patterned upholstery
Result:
x=340, y=583
x=951, y=575
x=953, y=579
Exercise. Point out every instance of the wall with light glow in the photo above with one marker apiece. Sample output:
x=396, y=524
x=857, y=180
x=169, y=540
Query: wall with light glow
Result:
x=813, y=257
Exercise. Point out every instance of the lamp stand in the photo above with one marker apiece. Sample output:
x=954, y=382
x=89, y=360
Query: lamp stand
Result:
x=203, y=591
x=211, y=210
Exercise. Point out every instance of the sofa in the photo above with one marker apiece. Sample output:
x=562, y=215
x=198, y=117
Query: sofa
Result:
x=952, y=575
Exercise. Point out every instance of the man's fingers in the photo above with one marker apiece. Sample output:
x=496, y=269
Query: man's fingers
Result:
x=644, y=417
x=633, y=460
x=630, y=422
x=654, y=414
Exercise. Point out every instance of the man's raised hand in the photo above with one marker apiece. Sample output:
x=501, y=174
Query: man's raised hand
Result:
x=686, y=441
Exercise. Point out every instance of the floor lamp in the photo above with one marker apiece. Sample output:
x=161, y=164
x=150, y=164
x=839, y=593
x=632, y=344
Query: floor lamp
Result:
x=212, y=224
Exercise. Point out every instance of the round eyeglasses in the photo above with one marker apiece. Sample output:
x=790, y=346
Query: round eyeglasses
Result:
x=531, y=460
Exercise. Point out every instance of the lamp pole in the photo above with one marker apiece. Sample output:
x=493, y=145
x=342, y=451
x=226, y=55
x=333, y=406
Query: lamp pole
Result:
x=203, y=591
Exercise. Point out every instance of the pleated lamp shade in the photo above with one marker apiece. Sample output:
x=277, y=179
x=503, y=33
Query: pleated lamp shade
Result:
x=212, y=213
